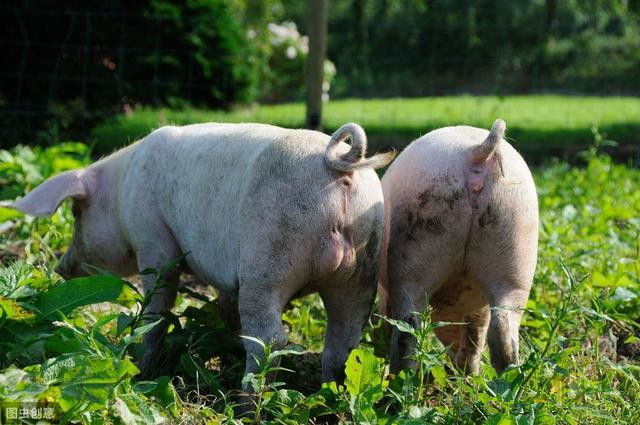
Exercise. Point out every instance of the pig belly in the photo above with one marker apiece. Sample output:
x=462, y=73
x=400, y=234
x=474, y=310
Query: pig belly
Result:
x=461, y=292
x=458, y=298
x=208, y=271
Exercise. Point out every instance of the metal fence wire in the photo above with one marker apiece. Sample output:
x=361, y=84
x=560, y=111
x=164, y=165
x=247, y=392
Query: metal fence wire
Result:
x=68, y=66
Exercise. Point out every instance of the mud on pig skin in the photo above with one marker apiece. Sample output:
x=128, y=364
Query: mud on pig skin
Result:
x=461, y=230
x=262, y=211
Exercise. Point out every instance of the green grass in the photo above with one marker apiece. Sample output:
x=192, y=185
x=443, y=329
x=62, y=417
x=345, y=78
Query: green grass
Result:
x=541, y=125
x=580, y=336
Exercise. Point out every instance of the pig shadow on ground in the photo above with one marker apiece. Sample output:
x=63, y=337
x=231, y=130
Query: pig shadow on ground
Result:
x=199, y=349
x=204, y=354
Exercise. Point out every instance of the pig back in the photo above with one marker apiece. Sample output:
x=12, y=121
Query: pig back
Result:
x=249, y=196
x=441, y=162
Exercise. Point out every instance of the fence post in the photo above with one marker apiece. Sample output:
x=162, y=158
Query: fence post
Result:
x=317, y=22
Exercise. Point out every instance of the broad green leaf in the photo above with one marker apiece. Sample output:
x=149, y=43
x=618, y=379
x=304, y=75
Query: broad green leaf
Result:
x=526, y=418
x=401, y=326
x=138, y=409
x=439, y=375
x=63, y=341
x=13, y=278
x=166, y=394
x=9, y=309
x=362, y=370
x=625, y=281
x=93, y=380
x=123, y=412
x=600, y=281
x=7, y=214
x=332, y=387
x=500, y=419
x=533, y=323
x=145, y=387
x=78, y=292
x=124, y=321
x=17, y=384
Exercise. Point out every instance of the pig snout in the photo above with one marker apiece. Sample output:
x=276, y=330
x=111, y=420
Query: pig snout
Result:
x=63, y=271
x=68, y=267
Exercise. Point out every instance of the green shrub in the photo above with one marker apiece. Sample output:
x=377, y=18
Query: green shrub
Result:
x=81, y=61
x=282, y=77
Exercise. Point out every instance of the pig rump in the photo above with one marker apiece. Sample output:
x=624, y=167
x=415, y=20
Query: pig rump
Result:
x=461, y=226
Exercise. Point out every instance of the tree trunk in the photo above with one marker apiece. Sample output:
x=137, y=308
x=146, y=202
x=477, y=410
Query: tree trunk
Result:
x=317, y=22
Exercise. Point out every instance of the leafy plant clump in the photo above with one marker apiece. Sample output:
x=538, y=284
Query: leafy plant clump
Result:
x=74, y=345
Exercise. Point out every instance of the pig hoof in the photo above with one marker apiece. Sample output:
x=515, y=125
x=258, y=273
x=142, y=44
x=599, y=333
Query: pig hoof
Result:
x=469, y=364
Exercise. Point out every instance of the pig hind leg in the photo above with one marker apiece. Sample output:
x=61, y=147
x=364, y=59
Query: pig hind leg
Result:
x=506, y=312
x=503, y=263
x=262, y=296
x=472, y=341
x=348, y=306
x=408, y=299
x=418, y=267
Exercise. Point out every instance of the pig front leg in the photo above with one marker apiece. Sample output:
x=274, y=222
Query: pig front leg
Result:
x=162, y=296
x=474, y=335
x=348, y=307
x=228, y=308
x=466, y=341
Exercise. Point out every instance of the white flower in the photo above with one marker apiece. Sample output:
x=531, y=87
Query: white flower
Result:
x=291, y=52
x=329, y=68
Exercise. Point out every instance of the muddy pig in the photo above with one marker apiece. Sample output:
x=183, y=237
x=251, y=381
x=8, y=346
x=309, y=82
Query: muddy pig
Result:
x=461, y=231
x=261, y=212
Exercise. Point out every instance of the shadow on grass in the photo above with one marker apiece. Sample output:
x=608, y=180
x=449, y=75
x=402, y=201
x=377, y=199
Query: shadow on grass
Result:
x=536, y=145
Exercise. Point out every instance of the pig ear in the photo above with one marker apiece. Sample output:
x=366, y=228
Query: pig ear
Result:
x=45, y=199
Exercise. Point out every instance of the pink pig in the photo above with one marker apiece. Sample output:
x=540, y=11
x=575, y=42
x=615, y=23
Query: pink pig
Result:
x=461, y=230
x=263, y=213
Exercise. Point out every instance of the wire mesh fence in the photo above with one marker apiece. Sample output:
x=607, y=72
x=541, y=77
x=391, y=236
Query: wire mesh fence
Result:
x=89, y=64
x=73, y=66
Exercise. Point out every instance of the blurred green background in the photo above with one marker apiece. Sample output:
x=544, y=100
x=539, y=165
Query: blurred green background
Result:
x=109, y=71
